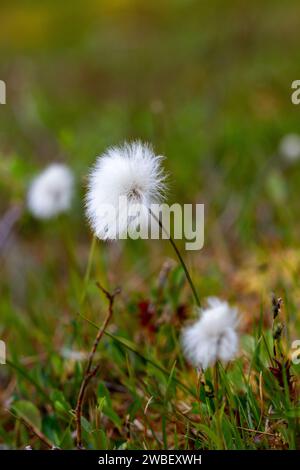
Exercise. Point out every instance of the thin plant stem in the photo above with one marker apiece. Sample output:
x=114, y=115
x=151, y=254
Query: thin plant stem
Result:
x=171, y=240
x=119, y=341
x=216, y=381
x=8, y=222
x=88, y=270
x=198, y=388
x=89, y=371
x=216, y=374
x=41, y=436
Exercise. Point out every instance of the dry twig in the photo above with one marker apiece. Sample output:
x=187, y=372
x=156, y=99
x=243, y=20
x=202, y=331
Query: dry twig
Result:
x=34, y=430
x=91, y=372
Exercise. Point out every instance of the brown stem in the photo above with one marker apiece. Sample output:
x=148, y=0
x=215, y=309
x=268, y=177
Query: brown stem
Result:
x=89, y=372
x=34, y=430
x=7, y=223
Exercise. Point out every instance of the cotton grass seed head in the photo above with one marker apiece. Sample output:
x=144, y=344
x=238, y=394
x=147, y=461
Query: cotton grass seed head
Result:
x=289, y=148
x=123, y=184
x=213, y=337
x=50, y=193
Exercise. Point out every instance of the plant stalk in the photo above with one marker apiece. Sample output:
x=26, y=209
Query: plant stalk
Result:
x=186, y=271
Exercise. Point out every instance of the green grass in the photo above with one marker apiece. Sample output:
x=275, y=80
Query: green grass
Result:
x=209, y=86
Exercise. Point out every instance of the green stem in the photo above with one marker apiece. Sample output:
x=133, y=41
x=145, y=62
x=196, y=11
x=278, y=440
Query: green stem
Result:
x=197, y=300
x=88, y=270
x=217, y=402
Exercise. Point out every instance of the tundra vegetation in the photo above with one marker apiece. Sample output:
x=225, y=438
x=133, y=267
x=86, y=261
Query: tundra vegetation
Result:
x=93, y=329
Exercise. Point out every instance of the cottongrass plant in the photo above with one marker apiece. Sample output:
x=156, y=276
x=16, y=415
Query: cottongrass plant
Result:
x=211, y=340
x=213, y=337
x=128, y=177
x=289, y=148
x=133, y=174
x=51, y=192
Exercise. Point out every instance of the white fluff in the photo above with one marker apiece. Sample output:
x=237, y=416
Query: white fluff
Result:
x=289, y=147
x=51, y=191
x=213, y=337
x=124, y=177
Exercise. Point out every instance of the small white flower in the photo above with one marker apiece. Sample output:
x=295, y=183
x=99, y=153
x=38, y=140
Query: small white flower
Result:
x=289, y=147
x=123, y=184
x=213, y=337
x=51, y=191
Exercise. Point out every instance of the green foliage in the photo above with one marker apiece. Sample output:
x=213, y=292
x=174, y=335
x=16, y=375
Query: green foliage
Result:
x=209, y=84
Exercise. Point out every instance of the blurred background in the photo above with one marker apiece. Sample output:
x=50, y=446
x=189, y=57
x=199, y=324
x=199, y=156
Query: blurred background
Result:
x=209, y=84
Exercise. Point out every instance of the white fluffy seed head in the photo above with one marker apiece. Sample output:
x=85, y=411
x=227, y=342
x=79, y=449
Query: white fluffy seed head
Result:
x=213, y=337
x=51, y=192
x=289, y=147
x=130, y=175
